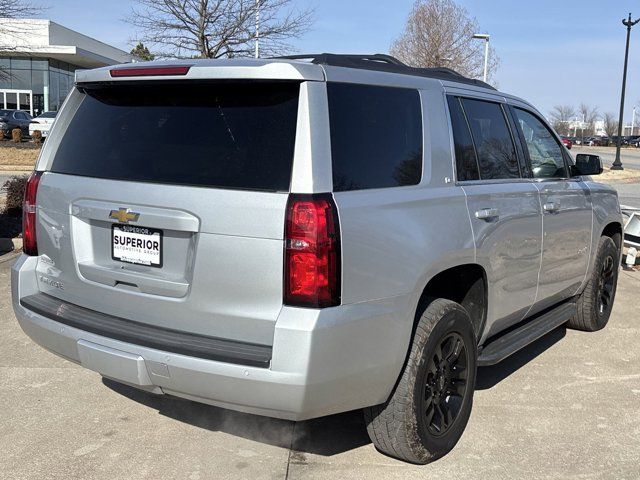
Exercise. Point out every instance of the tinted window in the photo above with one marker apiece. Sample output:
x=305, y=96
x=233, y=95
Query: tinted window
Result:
x=376, y=136
x=466, y=161
x=494, y=145
x=210, y=134
x=545, y=152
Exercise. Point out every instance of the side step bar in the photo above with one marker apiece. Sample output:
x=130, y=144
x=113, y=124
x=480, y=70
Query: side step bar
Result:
x=505, y=345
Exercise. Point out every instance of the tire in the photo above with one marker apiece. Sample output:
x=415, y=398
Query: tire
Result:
x=409, y=426
x=596, y=300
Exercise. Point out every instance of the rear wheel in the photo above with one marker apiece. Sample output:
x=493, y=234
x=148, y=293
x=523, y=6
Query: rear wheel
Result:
x=596, y=301
x=426, y=414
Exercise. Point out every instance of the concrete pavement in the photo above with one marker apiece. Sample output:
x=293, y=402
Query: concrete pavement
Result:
x=567, y=406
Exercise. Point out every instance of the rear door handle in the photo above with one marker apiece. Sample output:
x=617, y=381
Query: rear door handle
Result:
x=551, y=207
x=488, y=214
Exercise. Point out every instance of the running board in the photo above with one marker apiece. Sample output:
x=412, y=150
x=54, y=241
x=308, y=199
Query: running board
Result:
x=509, y=343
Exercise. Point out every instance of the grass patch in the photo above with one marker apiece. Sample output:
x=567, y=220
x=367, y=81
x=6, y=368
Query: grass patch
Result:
x=18, y=155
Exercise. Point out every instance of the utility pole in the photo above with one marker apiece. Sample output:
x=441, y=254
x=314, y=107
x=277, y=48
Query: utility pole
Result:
x=617, y=164
x=485, y=37
x=257, y=54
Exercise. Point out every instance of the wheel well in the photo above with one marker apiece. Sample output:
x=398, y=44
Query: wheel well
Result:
x=464, y=284
x=614, y=231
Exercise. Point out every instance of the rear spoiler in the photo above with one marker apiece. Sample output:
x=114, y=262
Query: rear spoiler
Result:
x=232, y=69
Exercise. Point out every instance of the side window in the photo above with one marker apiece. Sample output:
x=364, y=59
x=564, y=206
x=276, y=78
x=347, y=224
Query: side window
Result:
x=376, y=136
x=545, y=153
x=466, y=160
x=494, y=146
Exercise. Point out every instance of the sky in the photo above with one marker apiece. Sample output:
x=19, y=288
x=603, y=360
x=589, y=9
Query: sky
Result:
x=551, y=52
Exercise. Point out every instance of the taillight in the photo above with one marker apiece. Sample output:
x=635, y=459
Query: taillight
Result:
x=29, y=240
x=150, y=71
x=312, y=252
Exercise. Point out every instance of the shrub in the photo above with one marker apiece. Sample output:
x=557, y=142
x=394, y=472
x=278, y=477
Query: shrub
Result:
x=14, y=188
x=16, y=135
x=37, y=136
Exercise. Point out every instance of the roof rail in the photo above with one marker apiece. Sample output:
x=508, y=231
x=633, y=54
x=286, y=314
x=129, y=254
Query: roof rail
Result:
x=385, y=63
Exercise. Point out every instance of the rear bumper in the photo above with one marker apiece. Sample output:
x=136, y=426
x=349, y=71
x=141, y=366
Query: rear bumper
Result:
x=323, y=361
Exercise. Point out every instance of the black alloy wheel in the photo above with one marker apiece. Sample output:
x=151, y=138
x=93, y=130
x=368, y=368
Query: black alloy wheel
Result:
x=446, y=384
x=606, y=285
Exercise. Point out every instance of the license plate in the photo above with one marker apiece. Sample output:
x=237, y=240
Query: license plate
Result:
x=138, y=245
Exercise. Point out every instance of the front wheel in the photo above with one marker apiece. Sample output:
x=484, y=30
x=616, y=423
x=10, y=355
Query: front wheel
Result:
x=429, y=409
x=596, y=301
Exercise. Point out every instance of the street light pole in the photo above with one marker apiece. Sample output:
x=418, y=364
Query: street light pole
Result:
x=485, y=37
x=617, y=164
x=257, y=53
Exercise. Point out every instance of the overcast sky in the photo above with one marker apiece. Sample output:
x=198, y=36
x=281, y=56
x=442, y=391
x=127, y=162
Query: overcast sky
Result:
x=551, y=52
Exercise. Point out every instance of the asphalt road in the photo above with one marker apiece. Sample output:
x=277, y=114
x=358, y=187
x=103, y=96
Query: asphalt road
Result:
x=630, y=157
x=567, y=406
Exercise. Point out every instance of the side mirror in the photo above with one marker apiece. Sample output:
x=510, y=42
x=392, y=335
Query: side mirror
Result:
x=588, y=164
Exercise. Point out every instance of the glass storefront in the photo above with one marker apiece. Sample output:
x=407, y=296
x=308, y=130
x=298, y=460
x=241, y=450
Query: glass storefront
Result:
x=50, y=80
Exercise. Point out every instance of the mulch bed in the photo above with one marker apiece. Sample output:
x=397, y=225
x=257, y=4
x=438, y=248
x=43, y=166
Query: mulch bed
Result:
x=10, y=226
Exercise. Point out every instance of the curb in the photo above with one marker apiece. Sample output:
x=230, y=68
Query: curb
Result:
x=9, y=245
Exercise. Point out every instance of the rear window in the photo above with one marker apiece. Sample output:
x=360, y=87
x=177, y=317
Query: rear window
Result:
x=237, y=136
x=376, y=136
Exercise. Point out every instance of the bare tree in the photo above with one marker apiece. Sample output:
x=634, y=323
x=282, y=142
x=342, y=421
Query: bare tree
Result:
x=560, y=117
x=11, y=32
x=610, y=124
x=562, y=113
x=588, y=115
x=218, y=28
x=439, y=33
x=18, y=9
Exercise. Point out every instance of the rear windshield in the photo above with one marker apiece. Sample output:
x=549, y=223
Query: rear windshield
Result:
x=238, y=136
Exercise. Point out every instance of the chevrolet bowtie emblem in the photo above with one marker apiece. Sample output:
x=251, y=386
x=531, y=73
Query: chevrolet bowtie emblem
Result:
x=124, y=215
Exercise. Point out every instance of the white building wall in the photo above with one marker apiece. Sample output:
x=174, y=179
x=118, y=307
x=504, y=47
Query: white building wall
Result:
x=59, y=35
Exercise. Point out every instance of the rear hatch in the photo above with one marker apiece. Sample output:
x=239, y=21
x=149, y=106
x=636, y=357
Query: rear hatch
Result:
x=163, y=202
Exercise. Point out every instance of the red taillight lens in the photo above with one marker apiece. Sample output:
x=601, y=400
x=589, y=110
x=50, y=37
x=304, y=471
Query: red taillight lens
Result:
x=29, y=240
x=312, y=252
x=150, y=71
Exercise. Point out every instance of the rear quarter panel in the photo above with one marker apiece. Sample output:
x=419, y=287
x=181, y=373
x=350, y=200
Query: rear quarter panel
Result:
x=395, y=240
x=606, y=210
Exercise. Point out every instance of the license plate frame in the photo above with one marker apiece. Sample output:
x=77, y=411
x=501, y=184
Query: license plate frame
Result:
x=150, y=233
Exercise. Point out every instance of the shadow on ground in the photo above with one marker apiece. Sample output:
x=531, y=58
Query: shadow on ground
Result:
x=324, y=436
x=488, y=377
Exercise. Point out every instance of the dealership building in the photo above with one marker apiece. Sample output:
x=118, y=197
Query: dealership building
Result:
x=38, y=59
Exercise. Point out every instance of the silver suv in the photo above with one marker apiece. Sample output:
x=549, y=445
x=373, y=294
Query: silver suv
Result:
x=302, y=236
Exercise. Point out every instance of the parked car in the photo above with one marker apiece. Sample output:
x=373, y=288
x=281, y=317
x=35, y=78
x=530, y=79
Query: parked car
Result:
x=12, y=119
x=42, y=123
x=566, y=141
x=630, y=139
x=330, y=244
x=597, y=141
